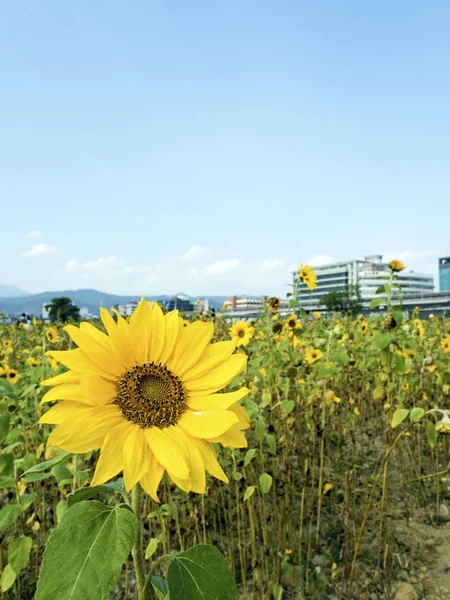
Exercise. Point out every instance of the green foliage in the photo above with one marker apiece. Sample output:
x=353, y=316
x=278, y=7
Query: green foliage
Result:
x=8, y=515
x=399, y=416
x=200, y=573
x=85, y=553
x=62, y=310
x=344, y=301
x=19, y=553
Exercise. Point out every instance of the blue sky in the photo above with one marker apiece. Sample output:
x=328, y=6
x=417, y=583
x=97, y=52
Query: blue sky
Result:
x=209, y=147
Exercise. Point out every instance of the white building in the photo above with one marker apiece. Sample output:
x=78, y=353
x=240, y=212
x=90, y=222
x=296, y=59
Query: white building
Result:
x=126, y=310
x=368, y=274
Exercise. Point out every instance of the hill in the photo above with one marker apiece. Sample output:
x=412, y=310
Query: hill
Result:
x=91, y=299
x=11, y=291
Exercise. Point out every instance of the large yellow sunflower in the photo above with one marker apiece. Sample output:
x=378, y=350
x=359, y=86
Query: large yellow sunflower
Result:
x=145, y=394
x=241, y=332
x=308, y=276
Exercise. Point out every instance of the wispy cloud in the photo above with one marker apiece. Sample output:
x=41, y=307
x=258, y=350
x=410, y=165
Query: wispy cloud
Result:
x=99, y=264
x=319, y=260
x=193, y=252
x=34, y=234
x=220, y=267
x=271, y=263
x=40, y=250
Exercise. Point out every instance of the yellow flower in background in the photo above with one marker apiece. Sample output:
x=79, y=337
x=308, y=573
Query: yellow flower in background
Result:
x=274, y=304
x=12, y=375
x=396, y=265
x=420, y=329
x=145, y=393
x=33, y=362
x=445, y=343
x=316, y=314
x=291, y=322
x=364, y=327
x=356, y=411
x=7, y=344
x=308, y=276
x=241, y=332
x=52, y=335
x=312, y=355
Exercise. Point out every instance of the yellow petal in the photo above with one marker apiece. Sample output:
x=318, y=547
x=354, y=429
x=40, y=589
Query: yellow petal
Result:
x=98, y=390
x=217, y=378
x=191, y=343
x=210, y=458
x=242, y=415
x=207, y=423
x=76, y=360
x=157, y=333
x=119, y=342
x=122, y=340
x=197, y=475
x=70, y=391
x=212, y=401
x=67, y=377
x=140, y=331
x=134, y=457
x=150, y=481
x=166, y=452
x=60, y=412
x=110, y=462
x=232, y=438
x=172, y=327
x=99, y=354
x=87, y=431
x=213, y=356
x=183, y=484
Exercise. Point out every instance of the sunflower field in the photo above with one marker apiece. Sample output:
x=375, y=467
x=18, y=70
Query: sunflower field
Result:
x=332, y=471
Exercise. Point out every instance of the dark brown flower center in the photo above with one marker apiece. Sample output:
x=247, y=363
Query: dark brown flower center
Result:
x=151, y=396
x=241, y=333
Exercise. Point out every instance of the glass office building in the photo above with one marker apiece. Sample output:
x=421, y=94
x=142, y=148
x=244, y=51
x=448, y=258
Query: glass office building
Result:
x=444, y=274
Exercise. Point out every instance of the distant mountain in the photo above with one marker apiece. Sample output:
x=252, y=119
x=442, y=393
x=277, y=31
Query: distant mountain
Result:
x=11, y=291
x=90, y=299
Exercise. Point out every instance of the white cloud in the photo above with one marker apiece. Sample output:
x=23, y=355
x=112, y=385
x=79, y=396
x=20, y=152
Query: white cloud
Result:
x=193, y=252
x=223, y=266
x=34, y=234
x=271, y=263
x=40, y=250
x=319, y=260
x=100, y=264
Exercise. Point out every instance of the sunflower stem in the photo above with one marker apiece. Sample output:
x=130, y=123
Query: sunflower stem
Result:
x=138, y=557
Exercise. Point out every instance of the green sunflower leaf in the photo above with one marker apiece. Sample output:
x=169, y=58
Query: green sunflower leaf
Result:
x=200, y=573
x=85, y=553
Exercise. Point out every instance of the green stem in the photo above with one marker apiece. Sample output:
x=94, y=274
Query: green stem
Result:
x=138, y=557
x=146, y=593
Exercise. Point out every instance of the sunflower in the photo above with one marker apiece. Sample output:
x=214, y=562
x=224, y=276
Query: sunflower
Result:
x=274, y=304
x=420, y=329
x=33, y=362
x=364, y=327
x=312, y=355
x=308, y=277
x=7, y=344
x=52, y=335
x=12, y=375
x=396, y=266
x=241, y=332
x=445, y=343
x=291, y=322
x=145, y=393
x=317, y=314
x=444, y=425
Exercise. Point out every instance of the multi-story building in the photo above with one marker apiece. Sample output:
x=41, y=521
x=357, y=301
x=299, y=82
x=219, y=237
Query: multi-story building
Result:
x=181, y=303
x=126, y=310
x=444, y=274
x=367, y=274
x=201, y=305
x=235, y=303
